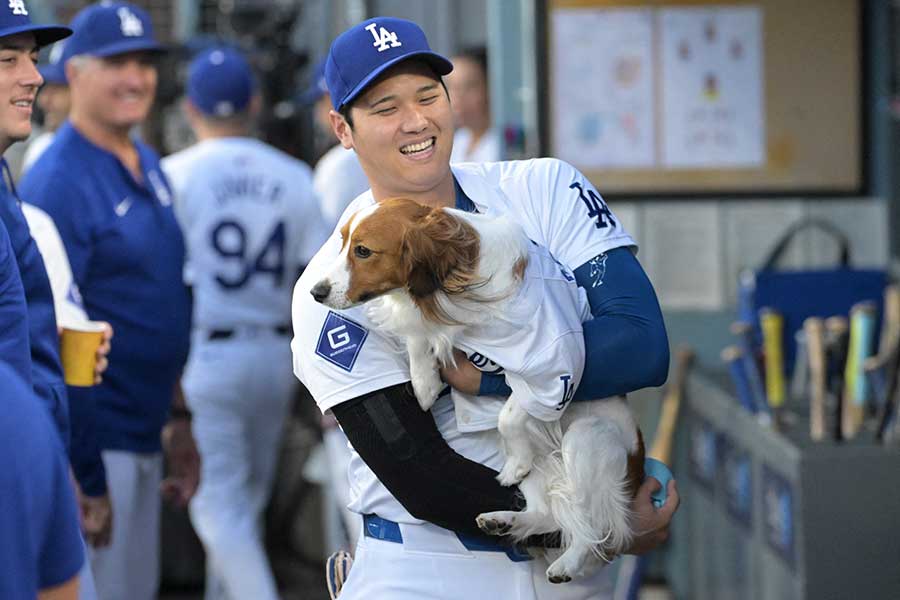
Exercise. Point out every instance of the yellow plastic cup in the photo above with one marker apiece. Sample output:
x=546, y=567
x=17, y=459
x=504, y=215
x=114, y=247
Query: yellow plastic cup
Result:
x=78, y=351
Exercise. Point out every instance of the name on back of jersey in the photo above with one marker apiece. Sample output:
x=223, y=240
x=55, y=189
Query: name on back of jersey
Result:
x=246, y=188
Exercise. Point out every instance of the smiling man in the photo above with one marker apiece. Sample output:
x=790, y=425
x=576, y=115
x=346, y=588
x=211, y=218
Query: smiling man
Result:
x=40, y=548
x=419, y=480
x=113, y=208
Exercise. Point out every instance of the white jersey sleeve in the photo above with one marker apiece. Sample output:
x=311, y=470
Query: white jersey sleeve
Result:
x=337, y=354
x=66, y=297
x=555, y=204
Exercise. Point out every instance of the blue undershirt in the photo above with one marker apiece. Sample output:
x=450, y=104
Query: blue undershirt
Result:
x=626, y=346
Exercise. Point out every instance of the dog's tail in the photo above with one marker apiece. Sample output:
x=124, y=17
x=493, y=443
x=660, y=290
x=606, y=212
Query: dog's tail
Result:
x=591, y=501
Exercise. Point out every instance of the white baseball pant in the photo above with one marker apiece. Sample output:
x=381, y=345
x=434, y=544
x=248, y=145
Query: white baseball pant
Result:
x=129, y=566
x=431, y=562
x=341, y=525
x=239, y=391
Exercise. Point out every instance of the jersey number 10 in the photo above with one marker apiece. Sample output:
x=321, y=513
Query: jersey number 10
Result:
x=229, y=240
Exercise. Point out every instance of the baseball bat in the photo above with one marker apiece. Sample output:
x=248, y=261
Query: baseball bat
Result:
x=801, y=378
x=631, y=571
x=856, y=387
x=734, y=358
x=744, y=333
x=665, y=431
x=772, y=324
x=883, y=368
x=837, y=335
x=877, y=368
x=814, y=329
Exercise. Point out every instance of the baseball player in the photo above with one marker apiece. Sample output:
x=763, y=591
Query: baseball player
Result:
x=41, y=550
x=475, y=140
x=338, y=178
x=419, y=480
x=116, y=221
x=251, y=223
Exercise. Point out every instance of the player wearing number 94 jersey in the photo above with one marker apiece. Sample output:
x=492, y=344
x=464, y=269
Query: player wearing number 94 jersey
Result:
x=250, y=221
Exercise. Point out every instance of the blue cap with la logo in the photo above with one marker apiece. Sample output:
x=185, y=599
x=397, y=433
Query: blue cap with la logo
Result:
x=110, y=28
x=364, y=51
x=14, y=19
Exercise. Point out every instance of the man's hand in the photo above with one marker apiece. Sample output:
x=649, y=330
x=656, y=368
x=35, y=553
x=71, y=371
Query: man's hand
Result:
x=651, y=524
x=96, y=518
x=464, y=377
x=102, y=353
x=183, y=461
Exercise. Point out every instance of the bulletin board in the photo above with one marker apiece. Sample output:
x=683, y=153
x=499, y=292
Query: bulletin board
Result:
x=660, y=97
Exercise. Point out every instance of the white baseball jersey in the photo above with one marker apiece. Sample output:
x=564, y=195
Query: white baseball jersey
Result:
x=338, y=356
x=250, y=220
x=66, y=298
x=539, y=343
x=488, y=149
x=337, y=180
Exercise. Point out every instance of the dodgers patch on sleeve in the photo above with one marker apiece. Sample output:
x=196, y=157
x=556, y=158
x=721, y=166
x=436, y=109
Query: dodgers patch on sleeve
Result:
x=341, y=340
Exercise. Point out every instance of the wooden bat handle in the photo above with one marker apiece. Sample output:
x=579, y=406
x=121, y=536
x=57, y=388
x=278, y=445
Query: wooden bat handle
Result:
x=665, y=431
x=815, y=345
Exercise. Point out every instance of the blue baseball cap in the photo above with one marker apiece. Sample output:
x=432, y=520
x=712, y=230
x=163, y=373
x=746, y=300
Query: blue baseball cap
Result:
x=14, y=19
x=365, y=51
x=53, y=70
x=220, y=82
x=318, y=87
x=110, y=28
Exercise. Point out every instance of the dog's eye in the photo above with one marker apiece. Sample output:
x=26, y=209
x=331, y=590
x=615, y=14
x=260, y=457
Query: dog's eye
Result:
x=362, y=252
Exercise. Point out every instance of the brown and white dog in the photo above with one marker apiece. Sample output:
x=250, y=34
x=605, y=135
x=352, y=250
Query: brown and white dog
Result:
x=443, y=277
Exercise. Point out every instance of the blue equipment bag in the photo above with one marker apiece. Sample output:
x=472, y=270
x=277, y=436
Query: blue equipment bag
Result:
x=798, y=294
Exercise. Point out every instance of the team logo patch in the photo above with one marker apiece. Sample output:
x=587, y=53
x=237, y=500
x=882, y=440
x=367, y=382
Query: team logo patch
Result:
x=341, y=340
x=18, y=7
x=383, y=37
x=129, y=23
x=568, y=391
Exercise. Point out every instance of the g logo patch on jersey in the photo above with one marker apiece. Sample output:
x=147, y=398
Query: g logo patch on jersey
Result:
x=341, y=340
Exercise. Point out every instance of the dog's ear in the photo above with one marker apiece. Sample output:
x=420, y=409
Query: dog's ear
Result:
x=440, y=252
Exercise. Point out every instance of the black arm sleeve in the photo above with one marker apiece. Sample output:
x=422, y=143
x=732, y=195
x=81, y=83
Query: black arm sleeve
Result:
x=403, y=447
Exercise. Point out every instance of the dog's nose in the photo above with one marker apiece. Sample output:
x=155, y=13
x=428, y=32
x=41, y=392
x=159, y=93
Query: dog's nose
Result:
x=321, y=290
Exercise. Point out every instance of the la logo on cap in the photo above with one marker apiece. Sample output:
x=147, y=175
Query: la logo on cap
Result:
x=18, y=7
x=130, y=24
x=383, y=37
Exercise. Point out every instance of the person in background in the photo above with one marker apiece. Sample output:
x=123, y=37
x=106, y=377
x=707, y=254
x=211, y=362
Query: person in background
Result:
x=53, y=100
x=338, y=177
x=475, y=140
x=114, y=215
x=250, y=223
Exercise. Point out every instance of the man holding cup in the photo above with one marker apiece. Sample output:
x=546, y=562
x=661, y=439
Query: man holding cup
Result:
x=115, y=217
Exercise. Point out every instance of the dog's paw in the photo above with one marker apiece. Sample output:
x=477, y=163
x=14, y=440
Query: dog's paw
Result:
x=514, y=471
x=560, y=571
x=495, y=523
x=558, y=577
x=427, y=387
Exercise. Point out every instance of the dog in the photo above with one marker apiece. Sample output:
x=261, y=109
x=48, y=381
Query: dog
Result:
x=443, y=278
